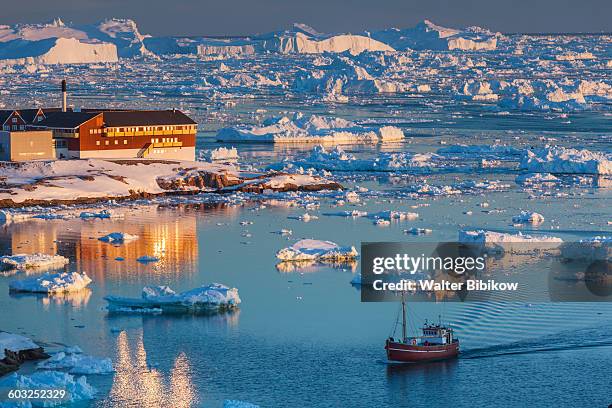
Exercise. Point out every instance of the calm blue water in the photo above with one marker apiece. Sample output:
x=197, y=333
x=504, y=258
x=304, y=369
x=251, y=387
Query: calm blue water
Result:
x=303, y=338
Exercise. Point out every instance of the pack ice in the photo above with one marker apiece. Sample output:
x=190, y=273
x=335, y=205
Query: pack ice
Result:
x=32, y=261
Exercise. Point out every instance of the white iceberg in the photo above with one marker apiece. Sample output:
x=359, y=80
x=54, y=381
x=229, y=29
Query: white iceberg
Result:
x=219, y=154
x=590, y=249
x=213, y=297
x=309, y=129
x=52, y=283
x=77, y=389
x=77, y=363
x=103, y=214
x=500, y=242
x=32, y=261
x=565, y=160
x=118, y=237
x=528, y=217
x=316, y=250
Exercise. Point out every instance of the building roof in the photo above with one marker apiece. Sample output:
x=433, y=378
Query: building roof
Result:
x=146, y=118
x=66, y=120
x=5, y=114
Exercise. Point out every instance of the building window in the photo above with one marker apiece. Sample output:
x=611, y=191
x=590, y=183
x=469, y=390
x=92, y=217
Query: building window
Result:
x=116, y=142
x=125, y=142
x=22, y=127
x=97, y=143
x=14, y=120
x=14, y=127
x=106, y=143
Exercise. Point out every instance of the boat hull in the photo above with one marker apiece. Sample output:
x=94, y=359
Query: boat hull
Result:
x=408, y=353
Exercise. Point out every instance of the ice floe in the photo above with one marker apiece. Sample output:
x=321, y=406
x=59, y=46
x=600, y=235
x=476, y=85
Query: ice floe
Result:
x=219, y=154
x=15, y=342
x=213, y=297
x=528, y=217
x=77, y=388
x=32, y=261
x=52, y=283
x=316, y=250
x=506, y=242
x=75, y=362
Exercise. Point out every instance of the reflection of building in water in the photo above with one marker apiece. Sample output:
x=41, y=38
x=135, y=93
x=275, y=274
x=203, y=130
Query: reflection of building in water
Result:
x=169, y=236
x=136, y=384
x=30, y=237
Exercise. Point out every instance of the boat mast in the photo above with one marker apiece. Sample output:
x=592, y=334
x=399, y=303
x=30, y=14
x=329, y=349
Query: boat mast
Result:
x=404, y=336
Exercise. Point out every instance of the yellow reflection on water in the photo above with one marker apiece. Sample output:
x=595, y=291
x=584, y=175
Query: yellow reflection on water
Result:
x=136, y=384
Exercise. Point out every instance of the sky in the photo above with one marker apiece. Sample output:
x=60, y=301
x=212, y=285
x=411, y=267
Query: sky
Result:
x=237, y=17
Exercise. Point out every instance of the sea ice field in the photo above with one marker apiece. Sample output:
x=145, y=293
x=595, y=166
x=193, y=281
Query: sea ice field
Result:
x=482, y=136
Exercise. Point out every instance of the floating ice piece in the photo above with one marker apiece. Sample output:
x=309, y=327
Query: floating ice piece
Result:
x=309, y=129
x=307, y=217
x=351, y=213
x=565, y=160
x=536, y=178
x=527, y=217
x=213, y=297
x=219, y=154
x=147, y=259
x=504, y=242
x=76, y=388
x=238, y=404
x=418, y=231
x=104, y=214
x=32, y=261
x=15, y=343
x=77, y=363
x=52, y=283
x=315, y=250
x=118, y=237
x=381, y=222
x=284, y=232
x=394, y=215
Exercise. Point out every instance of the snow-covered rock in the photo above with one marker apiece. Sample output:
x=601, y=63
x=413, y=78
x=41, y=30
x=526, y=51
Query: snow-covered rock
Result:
x=52, y=283
x=15, y=343
x=309, y=129
x=566, y=160
x=316, y=250
x=209, y=297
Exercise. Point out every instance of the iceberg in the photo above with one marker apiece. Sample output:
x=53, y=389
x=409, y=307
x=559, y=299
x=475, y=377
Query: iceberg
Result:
x=500, y=242
x=77, y=363
x=219, y=154
x=52, y=283
x=316, y=250
x=528, y=217
x=32, y=261
x=309, y=129
x=214, y=297
x=77, y=389
x=558, y=160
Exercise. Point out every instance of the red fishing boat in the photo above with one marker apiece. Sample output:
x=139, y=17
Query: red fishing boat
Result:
x=436, y=343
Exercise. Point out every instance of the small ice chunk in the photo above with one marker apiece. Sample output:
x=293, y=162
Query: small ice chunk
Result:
x=52, y=283
x=31, y=261
x=528, y=217
x=76, y=388
x=118, y=237
x=147, y=259
x=77, y=363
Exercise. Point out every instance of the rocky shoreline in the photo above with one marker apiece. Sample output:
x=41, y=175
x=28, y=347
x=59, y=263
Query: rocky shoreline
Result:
x=23, y=349
x=91, y=181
